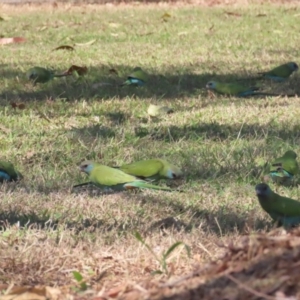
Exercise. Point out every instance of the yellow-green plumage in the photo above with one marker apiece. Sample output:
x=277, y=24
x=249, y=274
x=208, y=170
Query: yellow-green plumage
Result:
x=231, y=89
x=283, y=169
x=281, y=72
x=283, y=210
x=137, y=78
x=152, y=169
x=110, y=178
x=8, y=172
x=39, y=75
x=157, y=110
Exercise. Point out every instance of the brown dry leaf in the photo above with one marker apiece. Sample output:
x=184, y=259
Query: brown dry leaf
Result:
x=86, y=44
x=30, y=293
x=5, y=41
x=4, y=129
x=230, y=13
x=4, y=18
x=261, y=15
x=80, y=70
x=64, y=47
x=114, y=292
x=145, y=33
x=18, y=105
x=165, y=17
x=113, y=71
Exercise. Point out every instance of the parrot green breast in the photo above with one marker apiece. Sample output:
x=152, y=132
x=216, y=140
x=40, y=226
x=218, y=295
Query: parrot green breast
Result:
x=283, y=169
x=151, y=168
x=104, y=176
x=39, y=75
x=278, y=206
x=281, y=71
x=138, y=73
x=231, y=88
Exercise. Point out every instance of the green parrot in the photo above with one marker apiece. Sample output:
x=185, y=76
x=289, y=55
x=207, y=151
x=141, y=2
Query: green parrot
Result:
x=233, y=89
x=109, y=178
x=157, y=110
x=281, y=73
x=8, y=172
x=137, y=78
x=152, y=169
x=41, y=75
x=281, y=209
x=283, y=169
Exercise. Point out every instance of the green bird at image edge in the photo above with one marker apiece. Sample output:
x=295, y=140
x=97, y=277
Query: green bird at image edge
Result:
x=283, y=210
x=8, y=172
x=283, y=169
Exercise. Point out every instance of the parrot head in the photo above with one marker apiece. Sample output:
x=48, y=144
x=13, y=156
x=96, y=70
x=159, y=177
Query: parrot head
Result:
x=290, y=154
x=174, y=172
x=263, y=190
x=293, y=66
x=211, y=85
x=86, y=166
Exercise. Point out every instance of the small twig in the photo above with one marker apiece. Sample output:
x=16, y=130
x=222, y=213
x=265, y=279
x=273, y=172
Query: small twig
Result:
x=249, y=289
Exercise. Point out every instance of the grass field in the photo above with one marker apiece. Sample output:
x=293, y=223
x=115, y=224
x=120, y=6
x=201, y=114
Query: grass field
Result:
x=221, y=143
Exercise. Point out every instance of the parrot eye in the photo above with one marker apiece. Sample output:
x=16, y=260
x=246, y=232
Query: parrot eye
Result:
x=84, y=166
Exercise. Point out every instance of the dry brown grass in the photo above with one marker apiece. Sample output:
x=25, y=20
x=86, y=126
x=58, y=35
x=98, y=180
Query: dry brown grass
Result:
x=49, y=230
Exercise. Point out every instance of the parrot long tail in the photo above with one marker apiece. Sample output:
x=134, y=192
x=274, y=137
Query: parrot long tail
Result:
x=82, y=184
x=144, y=185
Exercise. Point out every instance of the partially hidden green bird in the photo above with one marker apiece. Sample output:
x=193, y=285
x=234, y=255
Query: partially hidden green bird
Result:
x=281, y=73
x=152, y=169
x=108, y=178
x=284, y=168
x=231, y=89
x=41, y=75
x=8, y=172
x=285, y=211
x=157, y=110
x=137, y=78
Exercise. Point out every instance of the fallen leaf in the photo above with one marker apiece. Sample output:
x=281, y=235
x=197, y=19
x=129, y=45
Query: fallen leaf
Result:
x=64, y=47
x=5, y=41
x=261, y=15
x=29, y=293
x=114, y=25
x=145, y=34
x=86, y=44
x=4, y=129
x=19, y=105
x=4, y=18
x=79, y=70
x=114, y=292
x=230, y=13
x=113, y=71
x=42, y=28
x=165, y=17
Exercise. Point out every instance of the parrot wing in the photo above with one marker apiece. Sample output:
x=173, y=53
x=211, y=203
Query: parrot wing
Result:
x=106, y=176
x=144, y=168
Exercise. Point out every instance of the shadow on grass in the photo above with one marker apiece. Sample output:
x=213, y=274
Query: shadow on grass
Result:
x=217, y=132
x=101, y=83
x=220, y=222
